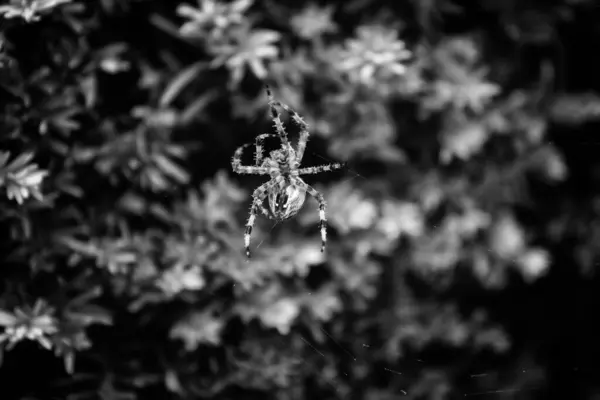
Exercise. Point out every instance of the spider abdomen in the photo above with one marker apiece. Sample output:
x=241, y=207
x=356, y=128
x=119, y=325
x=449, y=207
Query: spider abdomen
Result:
x=286, y=202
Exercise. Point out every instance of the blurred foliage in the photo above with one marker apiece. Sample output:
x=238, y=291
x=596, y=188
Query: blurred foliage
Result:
x=467, y=209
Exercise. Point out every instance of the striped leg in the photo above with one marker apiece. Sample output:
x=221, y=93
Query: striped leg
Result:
x=320, y=168
x=236, y=164
x=299, y=121
x=302, y=140
x=258, y=197
x=276, y=117
x=258, y=156
x=322, y=206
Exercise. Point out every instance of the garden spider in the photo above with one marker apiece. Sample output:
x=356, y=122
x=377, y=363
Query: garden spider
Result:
x=286, y=191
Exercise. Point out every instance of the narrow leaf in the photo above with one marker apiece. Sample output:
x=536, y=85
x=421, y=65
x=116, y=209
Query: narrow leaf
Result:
x=170, y=168
x=180, y=82
x=195, y=108
x=6, y=318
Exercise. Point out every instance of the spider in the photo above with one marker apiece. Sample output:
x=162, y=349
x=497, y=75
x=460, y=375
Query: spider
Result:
x=286, y=191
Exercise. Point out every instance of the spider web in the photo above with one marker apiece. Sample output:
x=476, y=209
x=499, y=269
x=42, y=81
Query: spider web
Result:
x=491, y=393
x=534, y=385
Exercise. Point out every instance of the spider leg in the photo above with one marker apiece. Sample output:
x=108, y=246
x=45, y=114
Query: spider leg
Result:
x=258, y=155
x=236, y=164
x=277, y=117
x=304, y=134
x=303, y=137
x=322, y=206
x=320, y=168
x=258, y=197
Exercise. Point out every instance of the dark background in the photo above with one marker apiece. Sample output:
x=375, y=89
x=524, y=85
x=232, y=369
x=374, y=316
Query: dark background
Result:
x=463, y=233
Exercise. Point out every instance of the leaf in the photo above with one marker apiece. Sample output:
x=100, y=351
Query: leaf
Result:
x=86, y=297
x=47, y=4
x=4, y=158
x=79, y=247
x=241, y=5
x=62, y=120
x=69, y=360
x=177, y=151
x=574, y=109
x=170, y=168
x=83, y=155
x=195, y=108
x=462, y=140
x=168, y=27
x=264, y=36
x=89, y=88
x=154, y=179
x=20, y=161
x=91, y=314
x=180, y=82
x=7, y=318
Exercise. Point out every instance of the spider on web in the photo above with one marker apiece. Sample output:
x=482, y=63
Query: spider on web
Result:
x=286, y=191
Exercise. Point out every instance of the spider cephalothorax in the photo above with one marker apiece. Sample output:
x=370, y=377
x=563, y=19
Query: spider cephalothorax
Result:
x=286, y=191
